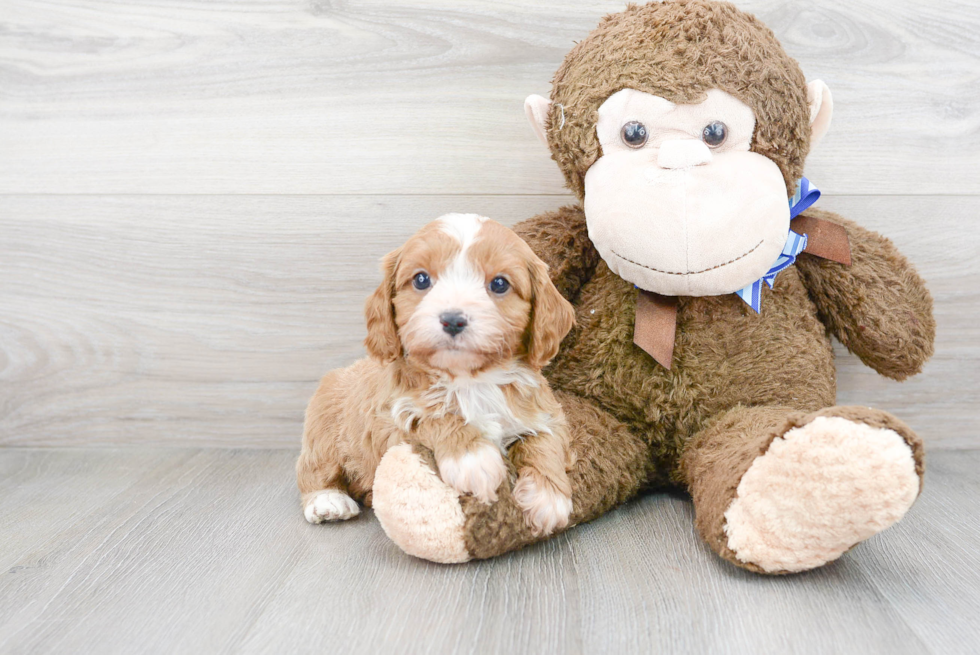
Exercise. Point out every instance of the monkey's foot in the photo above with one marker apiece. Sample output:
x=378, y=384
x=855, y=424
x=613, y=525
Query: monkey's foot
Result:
x=818, y=490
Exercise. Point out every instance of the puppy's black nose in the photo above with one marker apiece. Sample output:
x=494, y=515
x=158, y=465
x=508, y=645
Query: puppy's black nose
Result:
x=453, y=322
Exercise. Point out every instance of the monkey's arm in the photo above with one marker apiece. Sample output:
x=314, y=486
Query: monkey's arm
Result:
x=878, y=307
x=561, y=239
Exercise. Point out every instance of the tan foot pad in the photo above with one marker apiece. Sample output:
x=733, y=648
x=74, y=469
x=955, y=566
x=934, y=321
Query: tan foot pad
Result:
x=818, y=490
x=417, y=510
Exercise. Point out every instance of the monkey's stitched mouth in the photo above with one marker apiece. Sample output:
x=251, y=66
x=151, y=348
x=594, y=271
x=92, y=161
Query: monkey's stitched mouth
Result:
x=704, y=270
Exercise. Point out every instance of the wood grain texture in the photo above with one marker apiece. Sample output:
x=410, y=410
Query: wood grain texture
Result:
x=208, y=320
x=315, y=97
x=190, y=551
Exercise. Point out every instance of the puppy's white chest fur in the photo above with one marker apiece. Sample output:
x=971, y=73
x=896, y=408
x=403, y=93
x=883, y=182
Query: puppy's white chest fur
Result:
x=480, y=400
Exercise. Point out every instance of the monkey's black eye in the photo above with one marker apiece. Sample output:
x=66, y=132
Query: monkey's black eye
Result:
x=634, y=134
x=499, y=285
x=421, y=281
x=714, y=134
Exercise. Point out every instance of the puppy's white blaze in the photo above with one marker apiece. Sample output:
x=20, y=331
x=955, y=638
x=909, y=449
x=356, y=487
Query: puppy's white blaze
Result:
x=330, y=505
x=461, y=284
x=462, y=227
x=545, y=508
x=479, y=472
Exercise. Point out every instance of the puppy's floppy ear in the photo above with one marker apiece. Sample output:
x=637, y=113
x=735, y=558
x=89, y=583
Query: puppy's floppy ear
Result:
x=551, y=317
x=382, y=334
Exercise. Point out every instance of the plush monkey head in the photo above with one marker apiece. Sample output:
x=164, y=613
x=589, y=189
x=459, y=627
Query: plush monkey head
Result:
x=683, y=127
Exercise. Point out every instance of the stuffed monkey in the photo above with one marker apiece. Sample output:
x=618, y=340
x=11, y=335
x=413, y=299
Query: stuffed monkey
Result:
x=706, y=293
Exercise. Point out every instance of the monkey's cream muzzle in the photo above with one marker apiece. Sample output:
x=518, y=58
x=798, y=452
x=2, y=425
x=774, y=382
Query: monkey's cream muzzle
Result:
x=703, y=230
x=674, y=216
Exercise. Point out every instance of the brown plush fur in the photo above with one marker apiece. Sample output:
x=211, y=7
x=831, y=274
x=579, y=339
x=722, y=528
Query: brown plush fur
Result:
x=878, y=307
x=738, y=379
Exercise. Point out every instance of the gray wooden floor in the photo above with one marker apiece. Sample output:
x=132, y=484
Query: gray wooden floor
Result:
x=205, y=550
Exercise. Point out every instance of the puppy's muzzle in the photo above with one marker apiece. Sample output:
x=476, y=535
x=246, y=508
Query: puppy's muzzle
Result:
x=453, y=322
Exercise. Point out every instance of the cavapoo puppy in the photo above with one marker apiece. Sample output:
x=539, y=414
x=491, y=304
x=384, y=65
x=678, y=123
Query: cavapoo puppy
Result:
x=458, y=332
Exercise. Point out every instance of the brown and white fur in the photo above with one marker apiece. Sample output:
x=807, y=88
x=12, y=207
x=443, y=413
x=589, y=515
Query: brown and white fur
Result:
x=467, y=387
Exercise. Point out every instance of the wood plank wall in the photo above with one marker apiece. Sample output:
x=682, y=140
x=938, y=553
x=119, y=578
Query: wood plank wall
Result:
x=194, y=195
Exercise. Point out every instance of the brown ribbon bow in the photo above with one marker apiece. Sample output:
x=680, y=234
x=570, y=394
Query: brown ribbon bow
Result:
x=655, y=326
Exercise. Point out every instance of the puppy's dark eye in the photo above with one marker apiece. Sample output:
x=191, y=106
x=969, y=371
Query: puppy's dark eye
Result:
x=714, y=134
x=499, y=285
x=421, y=281
x=634, y=134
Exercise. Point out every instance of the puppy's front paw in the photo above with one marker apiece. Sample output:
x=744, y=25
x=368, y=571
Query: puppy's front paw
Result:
x=479, y=471
x=330, y=505
x=546, y=509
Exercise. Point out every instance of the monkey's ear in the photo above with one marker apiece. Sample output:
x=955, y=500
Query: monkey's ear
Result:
x=821, y=110
x=536, y=108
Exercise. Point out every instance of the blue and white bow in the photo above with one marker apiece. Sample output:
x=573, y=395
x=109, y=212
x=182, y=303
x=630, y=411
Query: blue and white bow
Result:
x=803, y=199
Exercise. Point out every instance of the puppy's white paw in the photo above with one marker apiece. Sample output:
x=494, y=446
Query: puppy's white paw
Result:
x=478, y=472
x=330, y=505
x=546, y=509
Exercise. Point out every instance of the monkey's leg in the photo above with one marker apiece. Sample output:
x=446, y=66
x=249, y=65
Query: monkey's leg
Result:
x=429, y=519
x=776, y=490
